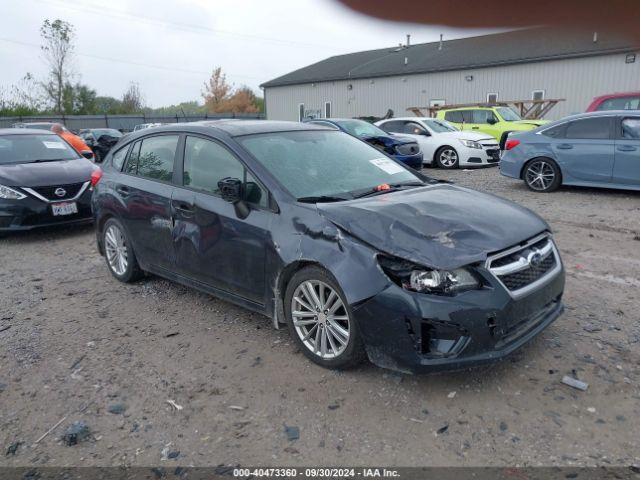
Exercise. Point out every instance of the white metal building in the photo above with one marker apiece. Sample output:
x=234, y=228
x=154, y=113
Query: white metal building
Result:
x=516, y=65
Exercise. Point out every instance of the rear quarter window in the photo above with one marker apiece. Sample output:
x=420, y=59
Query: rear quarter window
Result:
x=117, y=159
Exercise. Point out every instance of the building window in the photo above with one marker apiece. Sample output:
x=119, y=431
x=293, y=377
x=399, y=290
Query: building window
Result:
x=537, y=95
x=300, y=112
x=327, y=109
x=436, y=103
x=492, y=98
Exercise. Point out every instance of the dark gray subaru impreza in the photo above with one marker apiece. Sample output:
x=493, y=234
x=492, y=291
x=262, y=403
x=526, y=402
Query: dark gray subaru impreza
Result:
x=358, y=255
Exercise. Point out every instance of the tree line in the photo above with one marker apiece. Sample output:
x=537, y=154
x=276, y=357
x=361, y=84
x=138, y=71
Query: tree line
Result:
x=60, y=92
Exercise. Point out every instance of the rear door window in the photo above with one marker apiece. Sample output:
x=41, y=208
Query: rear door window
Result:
x=589, y=129
x=155, y=157
x=117, y=160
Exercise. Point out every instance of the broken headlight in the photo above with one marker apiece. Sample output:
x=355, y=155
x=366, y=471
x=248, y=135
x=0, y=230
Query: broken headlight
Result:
x=416, y=278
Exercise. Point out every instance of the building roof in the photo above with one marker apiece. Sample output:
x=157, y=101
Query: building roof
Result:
x=507, y=48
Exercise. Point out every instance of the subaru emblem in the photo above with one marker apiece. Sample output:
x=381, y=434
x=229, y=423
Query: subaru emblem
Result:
x=535, y=259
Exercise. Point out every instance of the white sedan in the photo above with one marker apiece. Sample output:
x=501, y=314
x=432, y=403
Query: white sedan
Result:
x=443, y=144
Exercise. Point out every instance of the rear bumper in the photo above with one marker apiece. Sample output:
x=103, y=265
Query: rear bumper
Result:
x=418, y=333
x=30, y=213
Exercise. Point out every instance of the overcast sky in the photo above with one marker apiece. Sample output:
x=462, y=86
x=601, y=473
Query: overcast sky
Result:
x=169, y=47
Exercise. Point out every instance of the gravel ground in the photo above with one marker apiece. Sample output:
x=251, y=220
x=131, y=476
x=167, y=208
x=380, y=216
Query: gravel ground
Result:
x=77, y=345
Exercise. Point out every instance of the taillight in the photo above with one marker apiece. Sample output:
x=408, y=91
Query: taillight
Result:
x=511, y=144
x=96, y=175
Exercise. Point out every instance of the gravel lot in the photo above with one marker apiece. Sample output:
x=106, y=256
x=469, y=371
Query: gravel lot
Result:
x=75, y=343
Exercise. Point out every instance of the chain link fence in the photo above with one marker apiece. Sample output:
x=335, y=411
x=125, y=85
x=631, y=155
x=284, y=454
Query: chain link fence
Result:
x=125, y=123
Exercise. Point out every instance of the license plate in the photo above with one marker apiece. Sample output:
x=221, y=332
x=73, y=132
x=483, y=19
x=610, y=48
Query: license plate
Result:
x=64, y=208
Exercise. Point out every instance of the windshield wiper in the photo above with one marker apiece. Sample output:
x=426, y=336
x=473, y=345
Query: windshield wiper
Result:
x=393, y=187
x=322, y=199
x=42, y=160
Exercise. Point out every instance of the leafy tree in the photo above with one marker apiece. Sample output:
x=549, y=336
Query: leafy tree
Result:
x=57, y=50
x=184, y=108
x=243, y=100
x=22, y=98
x=107, y=105
x=216, y=91
x=132, y=99
x=79, y=99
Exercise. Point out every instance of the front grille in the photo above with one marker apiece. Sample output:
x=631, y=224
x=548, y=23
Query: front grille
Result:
x=522, y=266
x=408, y=149
x=517, y=280
x=49, y=192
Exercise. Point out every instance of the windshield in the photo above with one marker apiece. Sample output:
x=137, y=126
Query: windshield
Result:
x=508, y=114
x=112, y=132
x=439, y=126
x=360, y=128
x=31, y=148
x=323, y=163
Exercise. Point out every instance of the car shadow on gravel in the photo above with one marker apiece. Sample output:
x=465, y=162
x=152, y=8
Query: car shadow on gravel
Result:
x=46, y=234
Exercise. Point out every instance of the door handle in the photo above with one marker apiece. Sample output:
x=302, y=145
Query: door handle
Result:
x=122, y=190
x=564, y=146
x=626, y=148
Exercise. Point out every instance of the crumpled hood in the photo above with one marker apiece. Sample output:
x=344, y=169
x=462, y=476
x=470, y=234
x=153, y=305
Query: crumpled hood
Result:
x=61, y=172
x=441, y=226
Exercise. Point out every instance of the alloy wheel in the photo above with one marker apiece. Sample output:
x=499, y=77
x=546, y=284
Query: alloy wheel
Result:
x=116, y=250
x=540, y=175
x=448, y=158
x=320, y=319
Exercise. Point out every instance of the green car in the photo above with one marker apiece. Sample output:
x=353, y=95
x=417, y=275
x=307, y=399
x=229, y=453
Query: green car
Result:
x=497, y=121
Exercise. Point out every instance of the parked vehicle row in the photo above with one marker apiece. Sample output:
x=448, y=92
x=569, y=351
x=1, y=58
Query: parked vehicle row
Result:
x=323, y=226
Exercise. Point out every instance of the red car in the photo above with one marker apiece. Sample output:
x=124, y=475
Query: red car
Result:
x=616, y=101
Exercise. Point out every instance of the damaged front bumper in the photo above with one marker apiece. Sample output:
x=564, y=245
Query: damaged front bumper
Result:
x=413, y=332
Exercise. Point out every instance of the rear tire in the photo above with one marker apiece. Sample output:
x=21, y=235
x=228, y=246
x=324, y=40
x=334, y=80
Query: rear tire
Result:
x=321, y=321
x=542, y=175
x=118, y=252
x=447, y=157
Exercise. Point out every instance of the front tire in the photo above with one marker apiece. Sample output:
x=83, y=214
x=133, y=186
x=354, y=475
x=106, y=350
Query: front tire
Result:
x=542, y=175
x=118, y=252
x=321, y=321
x=447, y=157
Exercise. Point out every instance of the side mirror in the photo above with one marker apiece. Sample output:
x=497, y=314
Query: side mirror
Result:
x=491, y=121
x=231, y=191
x=87, y=154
